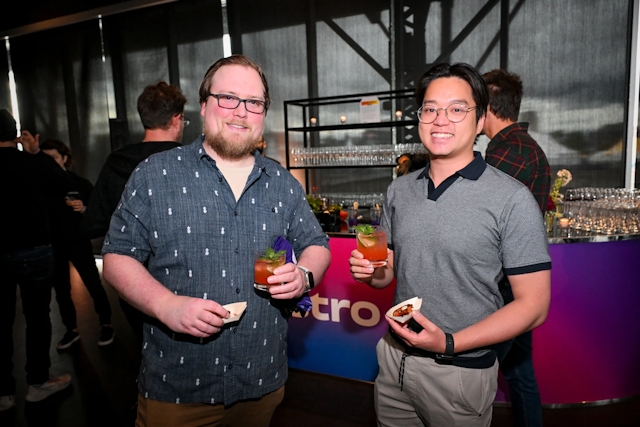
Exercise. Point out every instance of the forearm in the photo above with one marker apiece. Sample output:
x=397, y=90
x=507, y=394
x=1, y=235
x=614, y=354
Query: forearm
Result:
x=134, y=283
x=316, y=259
x=528, y=311
x=382, y=276
x=504, y=324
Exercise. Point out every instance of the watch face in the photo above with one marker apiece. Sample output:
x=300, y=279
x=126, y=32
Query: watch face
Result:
x=310, y=280
x=308, y=277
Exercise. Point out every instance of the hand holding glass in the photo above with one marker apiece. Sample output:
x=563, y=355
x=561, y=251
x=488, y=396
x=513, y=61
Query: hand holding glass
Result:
x=372, y=244
x=264, y=266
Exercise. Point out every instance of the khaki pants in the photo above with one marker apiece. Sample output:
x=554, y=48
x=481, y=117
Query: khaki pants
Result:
x=255, y=413
x=433, y=394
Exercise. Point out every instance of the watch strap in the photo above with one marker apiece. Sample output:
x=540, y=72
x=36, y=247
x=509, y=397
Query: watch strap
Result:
x=308, y=277
x=447, y=356
x=449, y=344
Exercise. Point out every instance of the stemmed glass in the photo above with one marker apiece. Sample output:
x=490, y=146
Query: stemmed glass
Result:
x=571, y=199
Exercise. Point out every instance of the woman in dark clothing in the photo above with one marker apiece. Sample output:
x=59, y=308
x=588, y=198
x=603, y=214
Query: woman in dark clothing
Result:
x=70, y=246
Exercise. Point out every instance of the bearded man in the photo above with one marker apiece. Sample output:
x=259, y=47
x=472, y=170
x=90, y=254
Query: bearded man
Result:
x=182, y=245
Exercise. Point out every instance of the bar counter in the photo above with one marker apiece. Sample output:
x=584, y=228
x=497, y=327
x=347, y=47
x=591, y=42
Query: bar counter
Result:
x=587, y=351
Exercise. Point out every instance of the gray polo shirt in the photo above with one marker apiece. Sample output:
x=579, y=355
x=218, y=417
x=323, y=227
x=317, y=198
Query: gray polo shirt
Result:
x=179, y=215
x=453, y=244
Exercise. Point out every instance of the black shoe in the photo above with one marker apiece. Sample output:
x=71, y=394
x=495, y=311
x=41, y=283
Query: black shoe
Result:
x=67, y=341
x=106, y=335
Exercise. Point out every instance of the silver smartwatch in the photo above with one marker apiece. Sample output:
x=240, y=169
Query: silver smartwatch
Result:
x=308, y=278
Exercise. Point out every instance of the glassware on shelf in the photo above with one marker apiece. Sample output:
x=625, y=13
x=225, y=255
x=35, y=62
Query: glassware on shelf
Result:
x=352, y=155
x=352, y=218
x=602, y=211
x=375, y=212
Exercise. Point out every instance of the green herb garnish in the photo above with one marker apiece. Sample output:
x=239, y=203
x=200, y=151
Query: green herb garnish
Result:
x=271, y=255
x=364, y=229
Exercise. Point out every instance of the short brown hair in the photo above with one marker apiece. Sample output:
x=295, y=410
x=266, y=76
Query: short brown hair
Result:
x=233, y=60
x=158, y=104
x=60, y=147
x=505, y=94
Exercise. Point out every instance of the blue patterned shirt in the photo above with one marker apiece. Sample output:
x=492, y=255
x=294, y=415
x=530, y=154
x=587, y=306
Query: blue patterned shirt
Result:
x=179, y=217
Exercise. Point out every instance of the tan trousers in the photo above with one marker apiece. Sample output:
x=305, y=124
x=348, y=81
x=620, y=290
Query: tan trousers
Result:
x=433, y=394
x=255, y=413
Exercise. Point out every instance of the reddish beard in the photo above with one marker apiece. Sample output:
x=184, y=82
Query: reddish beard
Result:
x=227, y=149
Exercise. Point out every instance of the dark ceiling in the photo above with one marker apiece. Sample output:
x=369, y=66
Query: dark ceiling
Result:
x=26, y=12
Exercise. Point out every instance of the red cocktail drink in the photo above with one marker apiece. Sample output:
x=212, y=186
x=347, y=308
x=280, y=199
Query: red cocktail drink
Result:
x=373, y=246
x=264, y=266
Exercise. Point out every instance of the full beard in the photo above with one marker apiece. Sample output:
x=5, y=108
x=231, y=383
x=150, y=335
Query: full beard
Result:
x=228, y=149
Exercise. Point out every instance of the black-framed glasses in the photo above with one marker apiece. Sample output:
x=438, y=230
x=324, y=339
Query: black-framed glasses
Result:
x=231, y=102
x=185, y=120
x=454, y=112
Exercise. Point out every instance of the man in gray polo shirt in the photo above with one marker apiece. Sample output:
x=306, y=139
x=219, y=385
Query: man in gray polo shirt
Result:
x=455, y=229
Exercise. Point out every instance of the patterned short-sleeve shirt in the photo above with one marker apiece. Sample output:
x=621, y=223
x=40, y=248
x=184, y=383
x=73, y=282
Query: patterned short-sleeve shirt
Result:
x=180, y=218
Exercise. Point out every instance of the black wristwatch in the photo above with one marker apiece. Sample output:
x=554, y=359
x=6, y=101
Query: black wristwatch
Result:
x=447, y=356
x=308, y=278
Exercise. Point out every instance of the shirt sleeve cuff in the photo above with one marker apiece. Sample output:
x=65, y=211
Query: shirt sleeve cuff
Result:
x=528, y=269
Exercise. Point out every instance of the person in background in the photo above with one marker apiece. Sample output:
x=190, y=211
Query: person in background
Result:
x=71, y=246
x=261, y=146
x=29, y=185
x=511, y=149
x=408, y=162
x=515, y=152
x=182, y=244
x=161, y=110
x=455, y=229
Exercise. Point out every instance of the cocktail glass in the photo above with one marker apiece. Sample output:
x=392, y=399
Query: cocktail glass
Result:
x=352, y=218
x=373, y=247
x=71, y=196
x=375, y=213
x=264, y=266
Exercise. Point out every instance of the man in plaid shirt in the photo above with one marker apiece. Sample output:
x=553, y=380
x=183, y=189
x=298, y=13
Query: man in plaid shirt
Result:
x=513, y=151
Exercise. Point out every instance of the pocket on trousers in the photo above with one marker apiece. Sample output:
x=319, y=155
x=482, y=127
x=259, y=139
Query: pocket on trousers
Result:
x=478, y=388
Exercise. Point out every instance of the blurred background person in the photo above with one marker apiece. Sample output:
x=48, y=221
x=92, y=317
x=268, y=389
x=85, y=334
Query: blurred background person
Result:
x=515, y=152
x=161, y=110
x=407, y=163
x=70, y=246
x=29, y=184
x=261, y=146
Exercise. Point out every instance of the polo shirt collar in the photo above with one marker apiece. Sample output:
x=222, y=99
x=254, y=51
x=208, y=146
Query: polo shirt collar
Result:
x=472, y=171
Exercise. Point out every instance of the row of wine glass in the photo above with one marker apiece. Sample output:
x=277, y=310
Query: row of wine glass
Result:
x=602, y=211
x=348, y=199
x=354, y=155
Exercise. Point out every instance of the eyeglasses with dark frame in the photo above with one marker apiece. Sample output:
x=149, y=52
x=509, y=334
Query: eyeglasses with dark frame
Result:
x=185, y=120
x=230, y=102
x=455, y=113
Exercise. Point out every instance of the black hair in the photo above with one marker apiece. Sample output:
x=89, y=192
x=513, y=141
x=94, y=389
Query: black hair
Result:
x=461, y=71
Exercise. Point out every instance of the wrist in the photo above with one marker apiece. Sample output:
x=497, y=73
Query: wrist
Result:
x=307, y=278
x=449, y=345
x=449, y=349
